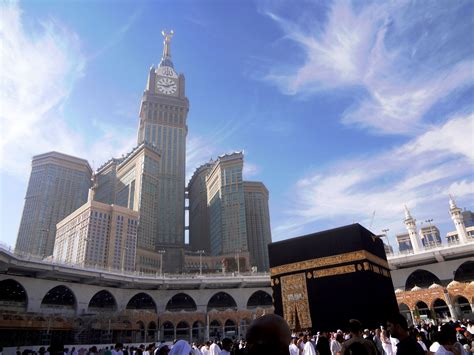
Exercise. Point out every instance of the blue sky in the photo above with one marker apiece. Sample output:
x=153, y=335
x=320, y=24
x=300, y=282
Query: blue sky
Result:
x=342, y=108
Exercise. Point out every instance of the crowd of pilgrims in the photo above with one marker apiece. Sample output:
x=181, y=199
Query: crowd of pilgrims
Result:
x=270, y=335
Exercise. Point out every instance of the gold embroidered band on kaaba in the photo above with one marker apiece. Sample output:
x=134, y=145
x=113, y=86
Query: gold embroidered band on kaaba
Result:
x=328, y=261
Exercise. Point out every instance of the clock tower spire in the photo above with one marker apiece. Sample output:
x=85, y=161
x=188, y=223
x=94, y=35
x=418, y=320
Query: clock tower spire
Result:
x=166, y=57
x=163, y=123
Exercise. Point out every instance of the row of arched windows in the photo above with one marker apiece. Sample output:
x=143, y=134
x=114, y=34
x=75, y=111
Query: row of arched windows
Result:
x=12, y=293
x=439, y=309
x=423, y=278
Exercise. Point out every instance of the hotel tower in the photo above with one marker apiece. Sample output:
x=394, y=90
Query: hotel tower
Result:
x=163, y=111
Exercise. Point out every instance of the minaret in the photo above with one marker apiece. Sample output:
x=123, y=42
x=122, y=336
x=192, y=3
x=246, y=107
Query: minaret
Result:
x=410, y=223
x=458, y=220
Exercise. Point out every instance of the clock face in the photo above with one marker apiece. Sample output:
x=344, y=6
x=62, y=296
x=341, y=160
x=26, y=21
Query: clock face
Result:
x=166, y=86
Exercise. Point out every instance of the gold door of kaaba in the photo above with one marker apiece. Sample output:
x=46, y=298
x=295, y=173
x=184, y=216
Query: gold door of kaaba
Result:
x=295, y=300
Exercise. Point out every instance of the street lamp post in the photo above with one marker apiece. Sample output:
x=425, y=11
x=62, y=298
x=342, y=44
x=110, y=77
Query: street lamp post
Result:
x=161, y=252
x=200, y=261
x=238, y=262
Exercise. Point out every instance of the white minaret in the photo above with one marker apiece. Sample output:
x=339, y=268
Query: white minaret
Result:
x=458, y=220
x=410, y=223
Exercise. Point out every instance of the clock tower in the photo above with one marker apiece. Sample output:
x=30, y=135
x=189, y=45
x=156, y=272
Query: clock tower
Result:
x=163, y=112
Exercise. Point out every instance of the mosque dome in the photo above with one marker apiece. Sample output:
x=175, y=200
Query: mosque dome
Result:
x=454, y=283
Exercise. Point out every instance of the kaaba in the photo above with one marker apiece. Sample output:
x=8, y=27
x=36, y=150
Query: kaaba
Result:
x=322, y=280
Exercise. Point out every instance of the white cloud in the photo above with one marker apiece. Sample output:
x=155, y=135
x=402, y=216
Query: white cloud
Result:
x=199, y=151
x=38, y=74
x=461, y=188
x=420, y=174
x=40, y=71
x=250, y=170
x=455, y=137
x=356, y=48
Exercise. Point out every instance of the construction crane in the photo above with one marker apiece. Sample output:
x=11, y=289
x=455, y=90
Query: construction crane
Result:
x=372, y=220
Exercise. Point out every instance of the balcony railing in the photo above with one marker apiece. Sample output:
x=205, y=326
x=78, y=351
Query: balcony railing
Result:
x=95, y=268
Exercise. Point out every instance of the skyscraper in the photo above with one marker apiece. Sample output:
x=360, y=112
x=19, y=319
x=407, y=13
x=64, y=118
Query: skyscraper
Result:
x=225, y=199
x=229, y=216
x=257, y=217
x=58, y=185
x=198, y=210
x=132, y=182
x=163, y=112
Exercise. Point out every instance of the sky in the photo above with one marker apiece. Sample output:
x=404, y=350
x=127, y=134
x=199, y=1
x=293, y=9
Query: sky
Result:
x=347, y=111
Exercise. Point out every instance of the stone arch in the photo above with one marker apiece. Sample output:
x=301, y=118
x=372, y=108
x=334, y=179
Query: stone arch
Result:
x=465, y=272
x=215, y=329
x=142, y=301
x=421, y=278
x=59, y=297
x=244, y=324
x=102, y=301
x=221, y=301
x=182, y=330
x=423, y=309
x=181, y=302
x=167, y=331
x=140, y=333
x=230, y=328
x=462, y=305
x=405, y=311
x=440, y=308
x=127, y=331
x=151, y=332
x=259, y=299
x=198, y=331
x=13, y=295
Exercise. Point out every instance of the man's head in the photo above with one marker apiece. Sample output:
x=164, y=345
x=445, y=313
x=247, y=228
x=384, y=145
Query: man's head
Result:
x=268, y=334
x=355, y=327
x=397, y=326
x=226, y=344
x=447, y=335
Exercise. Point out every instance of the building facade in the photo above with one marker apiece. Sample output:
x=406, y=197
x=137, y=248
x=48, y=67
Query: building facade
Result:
x=404, y=243
x=226, y=202
x=43, y=302
x=198, y=210
x=228, y=215
x=98, y=234
x=437, y=280
x=430, y=236
x=58, y=185
x=163, y=112
x=257, y=216
x=132, y=182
